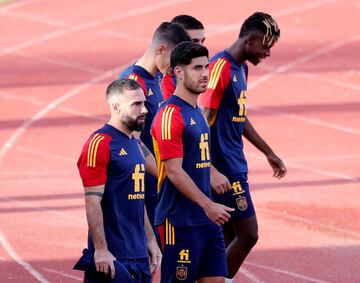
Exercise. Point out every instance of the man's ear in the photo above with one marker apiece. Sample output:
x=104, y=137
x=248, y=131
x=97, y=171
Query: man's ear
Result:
x=160, y=49
x=115, y=106
x=249, y=40
x=179, y=72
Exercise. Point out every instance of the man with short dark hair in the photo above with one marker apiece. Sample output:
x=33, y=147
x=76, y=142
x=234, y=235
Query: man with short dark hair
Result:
x=112, y=169
x=224, y=105
x=196, y=31
x=186, y=217
x=155, y=59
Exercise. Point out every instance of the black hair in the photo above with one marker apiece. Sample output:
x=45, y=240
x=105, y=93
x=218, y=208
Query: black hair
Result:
x=120, y=85
x=170, y=33
x=188, y=22
x=184, y=52
x=262, y=23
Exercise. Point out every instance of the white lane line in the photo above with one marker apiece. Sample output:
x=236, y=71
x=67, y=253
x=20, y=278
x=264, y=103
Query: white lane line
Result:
x=250, y=275
x=319, y=78
x=303, y=59
x=26, y=99
x=88, y=25
x=312, y=170
x=10, y=251
x=62, y=63
x=36, y=101
x=310, y=222
x=50, y=106
x=34, y=18
x=216, y=30
x=66, y=275
x=82, y=114
x=311, y=121
x=45, y=154
x=286, y=272
x=339, y=83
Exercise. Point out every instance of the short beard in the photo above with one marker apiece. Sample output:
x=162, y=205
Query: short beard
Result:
x=188, y=86
x=133, y=125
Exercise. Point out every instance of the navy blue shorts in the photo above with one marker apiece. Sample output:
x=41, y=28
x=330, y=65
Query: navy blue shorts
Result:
x=127, y=271
x=238, y=197
x=190, y=253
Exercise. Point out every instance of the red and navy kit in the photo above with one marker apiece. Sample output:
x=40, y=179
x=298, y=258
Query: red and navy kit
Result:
x=111, y=158
x=193, y=247
x=227, y=95
x=180, y=131
x=152, y=90
x=168, y=84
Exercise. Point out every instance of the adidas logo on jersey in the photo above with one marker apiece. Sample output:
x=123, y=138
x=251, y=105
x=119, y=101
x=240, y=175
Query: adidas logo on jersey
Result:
x=192, y=122
x=234, y=79
x=150, y=92
x=122, y=152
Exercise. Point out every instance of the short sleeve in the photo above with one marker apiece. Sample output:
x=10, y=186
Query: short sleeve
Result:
x=168, y=85
x=167, y=131
x=94, y=159
x=218, y=81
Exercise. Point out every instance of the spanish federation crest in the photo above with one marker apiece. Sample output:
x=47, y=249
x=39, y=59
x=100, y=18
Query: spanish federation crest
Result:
x=181, y=272
x=242, y=203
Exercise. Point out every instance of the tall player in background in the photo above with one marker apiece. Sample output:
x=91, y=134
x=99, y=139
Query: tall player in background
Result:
x=186, y=217
x=224, y=106
x=196, y=31
x=155, y=59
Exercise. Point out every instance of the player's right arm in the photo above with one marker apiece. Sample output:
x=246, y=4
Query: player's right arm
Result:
x=167, y=131
x=216, y=212
x=219, y=79
x=92, y=165
x=104, y=260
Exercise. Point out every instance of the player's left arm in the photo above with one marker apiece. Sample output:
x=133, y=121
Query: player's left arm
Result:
x=150, y=166
x=275, y=162
x=153, y=248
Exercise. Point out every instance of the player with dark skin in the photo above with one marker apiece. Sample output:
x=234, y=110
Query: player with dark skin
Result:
x=258, y=35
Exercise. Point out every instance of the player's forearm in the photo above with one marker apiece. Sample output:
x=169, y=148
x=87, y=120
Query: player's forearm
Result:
x=151, y=165
x=148, y=228
x=254, y=138
x=95, y=221
x=182, y=181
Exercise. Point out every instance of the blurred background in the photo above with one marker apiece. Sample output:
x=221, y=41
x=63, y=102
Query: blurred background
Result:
x=56, y=59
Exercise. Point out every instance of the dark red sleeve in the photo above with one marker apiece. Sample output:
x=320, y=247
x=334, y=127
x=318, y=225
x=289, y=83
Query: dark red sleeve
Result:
x=168, y=85
x=140, y=80
x=94, y=159
x=218, y=81
x=167, y=131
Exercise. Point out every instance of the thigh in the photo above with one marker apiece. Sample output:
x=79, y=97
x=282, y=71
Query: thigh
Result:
x=181, y=255
x=213, y=258
x=246, y=227
x=238, y=197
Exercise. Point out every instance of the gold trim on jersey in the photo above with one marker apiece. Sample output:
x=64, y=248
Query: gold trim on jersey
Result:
x=166, y=123
x=134, y=77
x=92, y=149
x=216, y=72
x=169, y=233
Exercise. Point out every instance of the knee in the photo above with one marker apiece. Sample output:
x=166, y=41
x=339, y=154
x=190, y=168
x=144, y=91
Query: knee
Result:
x=248, y=239
x=253, y=238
